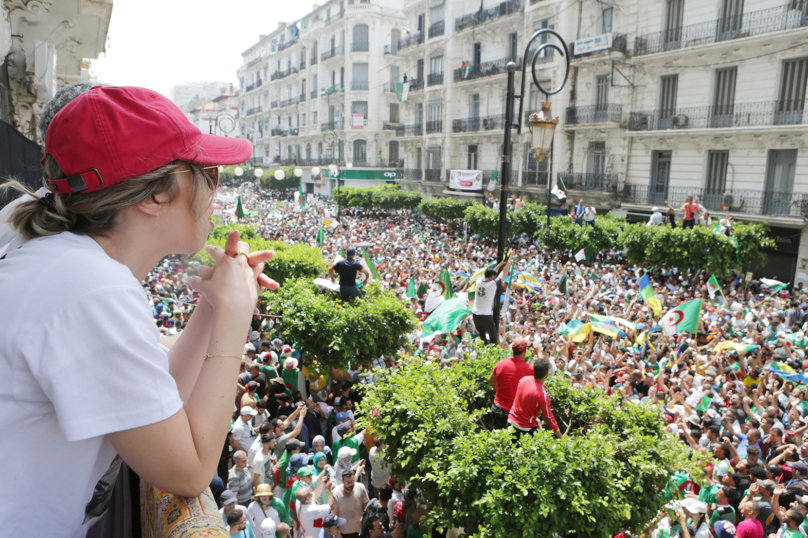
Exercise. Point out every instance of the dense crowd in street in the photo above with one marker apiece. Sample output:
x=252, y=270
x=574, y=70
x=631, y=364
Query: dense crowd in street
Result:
x=730, y=385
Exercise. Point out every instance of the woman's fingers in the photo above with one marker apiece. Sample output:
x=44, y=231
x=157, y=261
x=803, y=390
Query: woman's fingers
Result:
x=231, y=246
x=216, y=253
x=260, y=256
x=266, y=282
x=205, y=272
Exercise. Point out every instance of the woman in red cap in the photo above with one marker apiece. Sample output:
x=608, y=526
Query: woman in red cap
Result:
x=131, y=181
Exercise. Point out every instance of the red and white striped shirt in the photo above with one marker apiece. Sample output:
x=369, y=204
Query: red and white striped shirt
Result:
x=530, y=399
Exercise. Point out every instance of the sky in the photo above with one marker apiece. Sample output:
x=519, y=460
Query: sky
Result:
x=158, y=44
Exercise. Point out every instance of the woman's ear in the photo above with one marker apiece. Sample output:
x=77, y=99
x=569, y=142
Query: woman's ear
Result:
x=151, y=205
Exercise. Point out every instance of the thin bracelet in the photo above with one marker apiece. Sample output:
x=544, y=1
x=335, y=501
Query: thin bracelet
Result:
x=209, y=356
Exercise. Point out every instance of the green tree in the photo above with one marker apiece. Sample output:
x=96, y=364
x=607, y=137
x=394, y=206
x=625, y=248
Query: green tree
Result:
x=289, y=181
x=484, y=221
x=378, y=197
x=610, y=473
x=289, y=262
x=336, y=334
x=445, y=208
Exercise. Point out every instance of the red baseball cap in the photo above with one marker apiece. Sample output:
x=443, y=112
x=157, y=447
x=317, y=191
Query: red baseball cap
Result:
x=109, y=134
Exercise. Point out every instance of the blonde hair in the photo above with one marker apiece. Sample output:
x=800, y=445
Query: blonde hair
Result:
x=96, y=213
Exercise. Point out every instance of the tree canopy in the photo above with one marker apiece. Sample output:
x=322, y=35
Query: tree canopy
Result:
x=387, y=196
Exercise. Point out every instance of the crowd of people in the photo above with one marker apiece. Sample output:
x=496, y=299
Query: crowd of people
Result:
x=732, y=387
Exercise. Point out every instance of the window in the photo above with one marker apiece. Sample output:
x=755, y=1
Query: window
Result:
x=608, y=14
x=731, y=18
x=436, y=65
x=360, y=77
x=477, y=54
x=540, y=25
x=361, y=41
x=793, y=82
x=716, y=175
x=308, y=152
x=437, y=13
x=724, y=97
x=314, y=118
x=602, y=92
x=360, y=152
x=596, y=158
x=660, y=177
x=360, y=107
x=393, y=77
x=667, y=96
x=471, y=162
x=303, y=89
x=433, y=158
x=779, y=182
x=674, y=14
x=536, y=173
x=303, y=120
x=319, y=148
x=395, y=37
x=314, y=84
x=513, y=47
x=392, y=153
x=435, y=110
x=394, y=117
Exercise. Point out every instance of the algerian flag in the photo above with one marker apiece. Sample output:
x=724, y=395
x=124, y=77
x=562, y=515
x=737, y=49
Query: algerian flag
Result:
x=615, y=321
x=562, y=286
x=410, y=288
x=422, y=290
x=559, y=189
x=587, y=252
x=301, y=196
x=721, y=226
x=434, y=298
x=321, y=237
x=573, y=326
x=447, y=316
x=371, y=266
x=683, y=318
x=507, y=300
x=798, y=340
x=402, y=91
x=773, y=285
x=713, y=287
x=445, y=280
x=239, y=209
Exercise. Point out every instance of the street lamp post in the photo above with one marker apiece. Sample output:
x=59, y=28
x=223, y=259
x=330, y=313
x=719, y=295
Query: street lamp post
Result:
x=542, y=126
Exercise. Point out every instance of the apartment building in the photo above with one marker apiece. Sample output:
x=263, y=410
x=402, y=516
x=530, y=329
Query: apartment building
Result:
x=665, y=98
x=218, y=116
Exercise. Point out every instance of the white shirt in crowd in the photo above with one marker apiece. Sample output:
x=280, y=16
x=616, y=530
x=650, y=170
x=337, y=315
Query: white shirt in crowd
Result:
x=380, y=469
x=484, y=295
x=258, y=514
x=67, y=383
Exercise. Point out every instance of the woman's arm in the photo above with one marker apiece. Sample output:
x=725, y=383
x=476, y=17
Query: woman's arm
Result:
x=188, y=347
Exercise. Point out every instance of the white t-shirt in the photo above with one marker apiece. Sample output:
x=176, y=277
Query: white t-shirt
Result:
x=485, y=292
x=243, y=433
x=80, y=359
x=255, y=448
x=262, y=466
x=311, y=516
x=380, y=469
x=259, y=514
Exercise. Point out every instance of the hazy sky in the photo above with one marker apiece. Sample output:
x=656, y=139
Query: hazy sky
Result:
x=158, y=44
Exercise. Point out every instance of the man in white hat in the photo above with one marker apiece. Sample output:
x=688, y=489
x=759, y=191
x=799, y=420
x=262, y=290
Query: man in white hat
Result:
x=243, y=433
x=656, y=217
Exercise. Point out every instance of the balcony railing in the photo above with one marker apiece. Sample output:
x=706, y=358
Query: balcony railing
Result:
x=594, y=114
x=432, y=175
x=359, y=84
x=313, y=60
x=437, y=29
x=786, y=17
x=302, y=64
x=277, y=131
x=253, y=110
x=483, y=123
x=273, y=104
x=360, y=46
x=414, y=39
x=288, y=102
x=536, y=177
x=434, y=126
x=434, y=79
x=327, y=55
x=313, y=93
x=277, y=75
x=619, y=44
x=335, y=125
x=589, y=181
x=254, y=85
x=284, y=46
x=302, y=98
x=410, y=174
x=785, y=112
x=414, y=129
x=736, y=201
x=488, y=15
x=485, y=69
x=389, y=87
x=335, y=17
x=416, y=84
x=315, y=161
x=254, y=61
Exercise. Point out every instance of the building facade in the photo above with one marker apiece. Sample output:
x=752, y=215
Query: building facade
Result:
x=218, y=116
x=664, y=98
x=183, y=95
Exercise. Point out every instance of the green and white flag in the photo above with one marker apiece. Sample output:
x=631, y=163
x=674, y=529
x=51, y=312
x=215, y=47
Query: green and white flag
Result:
x=402, y=91
x=239, y=209
x=588, y=252
x=559, y=189
x=321, y=237
x=446, y=317
x=683, y=318
x=446, y=280
x=562, y=286
x=371, y=266
x=773, y=285
x=713, y=287
x=411, y=288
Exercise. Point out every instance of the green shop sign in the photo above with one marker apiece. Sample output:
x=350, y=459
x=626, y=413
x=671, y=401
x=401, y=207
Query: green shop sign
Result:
x=351, y=173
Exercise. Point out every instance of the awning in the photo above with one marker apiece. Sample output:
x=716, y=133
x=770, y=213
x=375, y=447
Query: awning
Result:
x=353, y=173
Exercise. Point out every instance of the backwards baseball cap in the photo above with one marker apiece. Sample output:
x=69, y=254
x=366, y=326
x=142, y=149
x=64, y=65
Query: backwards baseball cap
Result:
x=331, y=520
x=109, y=134
x=768, y=485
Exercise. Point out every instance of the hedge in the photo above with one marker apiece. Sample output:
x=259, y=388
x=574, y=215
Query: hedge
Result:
x=445, y=208
x=378, y=197
x=484, y=221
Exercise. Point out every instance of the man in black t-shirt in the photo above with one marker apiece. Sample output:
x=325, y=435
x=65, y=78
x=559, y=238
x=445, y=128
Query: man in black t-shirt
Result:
x=347, y=270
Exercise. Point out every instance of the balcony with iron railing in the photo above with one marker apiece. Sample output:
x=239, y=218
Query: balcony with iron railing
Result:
x=253, y=110
x=432, y=175
x=721, y=200
x=273, y=104
x=434, y=79
x=410, y=174
x=359, y=85
x=278, y=75
x=413, y=129
x=537, y=177
x=434, y=126
x=335, y=125
x=412, y=40
x=314, y=93
x=315, y=161
x=416, y=84
x=484, y=16
x=335, y=17
x=302, y=98
x=793, y=14
x=313, y=60
x=254, y=85
x=331, y=53
x=482, y=123
x=589, y=181
x=389, y=87
x=284, y=46
x=471, y=71
x=437, y=29
x=288, y=102
x=277, y=131
x=302, y=64
x=781, y=113
x=604, y=113
x=619, y=44
x=360, y=46
x=254, y=61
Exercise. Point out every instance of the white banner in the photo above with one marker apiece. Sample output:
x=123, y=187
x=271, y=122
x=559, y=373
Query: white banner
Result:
x=593, y=44
x=466, y=180
x=357, y=121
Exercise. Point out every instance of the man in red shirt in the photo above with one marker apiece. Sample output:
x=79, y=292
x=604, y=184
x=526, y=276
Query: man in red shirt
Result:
x=530, y=399
x=750, y=527
x=505, y=378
